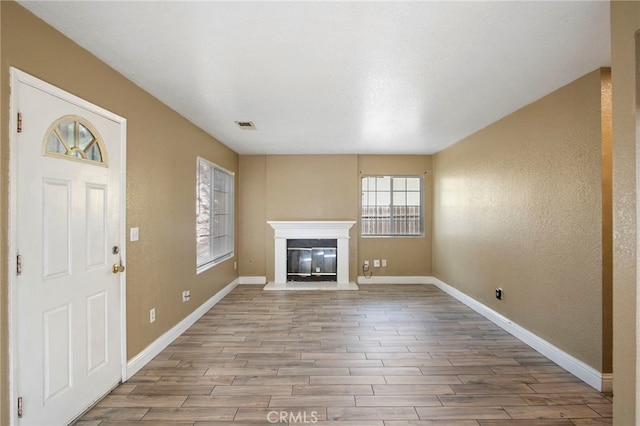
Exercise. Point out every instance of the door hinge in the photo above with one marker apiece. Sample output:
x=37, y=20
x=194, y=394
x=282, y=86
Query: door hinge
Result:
x=19, y=407
x=19, y=265
x=19, y=126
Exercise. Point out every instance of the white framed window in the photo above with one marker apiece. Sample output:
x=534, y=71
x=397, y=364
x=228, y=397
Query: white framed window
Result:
x=214, y=214
x=392, y=206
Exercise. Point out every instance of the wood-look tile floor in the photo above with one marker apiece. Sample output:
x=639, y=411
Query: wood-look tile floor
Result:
x=384, y=355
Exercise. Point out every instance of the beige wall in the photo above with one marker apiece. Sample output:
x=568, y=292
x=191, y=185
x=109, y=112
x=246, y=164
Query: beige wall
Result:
x=518, y=206
x=625, y=21
x=606, y=117
x=318, y=187
x=253, y=240
x=405, y=256
x=324, y=187
x=161, y=165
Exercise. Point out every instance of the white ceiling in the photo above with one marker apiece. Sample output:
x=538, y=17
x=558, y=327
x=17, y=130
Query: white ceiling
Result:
x=336, y=77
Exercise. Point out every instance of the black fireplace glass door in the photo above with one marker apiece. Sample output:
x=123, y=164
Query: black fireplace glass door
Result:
x=312, y=260
x=299, y=261
x=324, y=261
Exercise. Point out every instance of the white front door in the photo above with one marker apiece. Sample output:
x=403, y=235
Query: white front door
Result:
x=67, y=230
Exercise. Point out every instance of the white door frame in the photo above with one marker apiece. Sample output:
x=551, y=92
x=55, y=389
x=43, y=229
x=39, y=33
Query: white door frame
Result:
x=17, y=77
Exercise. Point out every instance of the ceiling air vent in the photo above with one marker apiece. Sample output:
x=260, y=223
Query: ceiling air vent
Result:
x=246, y=125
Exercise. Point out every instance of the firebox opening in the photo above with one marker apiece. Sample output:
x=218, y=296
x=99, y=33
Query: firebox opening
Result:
x=312, y=260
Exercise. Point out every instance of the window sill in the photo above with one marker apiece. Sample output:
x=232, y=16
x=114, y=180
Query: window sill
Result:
x=202, y=268
x=393, y=236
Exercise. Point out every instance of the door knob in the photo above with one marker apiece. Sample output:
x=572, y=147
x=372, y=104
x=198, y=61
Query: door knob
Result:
x=117, y=268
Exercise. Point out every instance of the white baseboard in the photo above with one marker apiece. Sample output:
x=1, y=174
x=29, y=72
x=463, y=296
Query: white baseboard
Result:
x=253, y=280
x=393, y=280
x=591, y=376
x=136, y=363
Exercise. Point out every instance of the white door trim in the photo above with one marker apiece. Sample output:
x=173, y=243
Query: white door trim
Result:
x=17, y=77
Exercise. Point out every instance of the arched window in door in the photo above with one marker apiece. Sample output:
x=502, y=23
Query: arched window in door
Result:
x=74, y=138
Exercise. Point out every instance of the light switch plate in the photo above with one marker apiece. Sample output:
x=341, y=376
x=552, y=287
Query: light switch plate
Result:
x=134, y=234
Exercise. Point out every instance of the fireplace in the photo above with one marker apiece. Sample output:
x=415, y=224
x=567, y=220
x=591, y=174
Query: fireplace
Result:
x=312, y=260
x=311, y=254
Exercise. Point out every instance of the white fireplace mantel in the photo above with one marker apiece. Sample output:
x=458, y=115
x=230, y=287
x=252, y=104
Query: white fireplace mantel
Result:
x=310, y=229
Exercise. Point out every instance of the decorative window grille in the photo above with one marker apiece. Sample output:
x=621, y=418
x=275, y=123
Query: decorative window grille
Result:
x=214, y=215
x=392, y=206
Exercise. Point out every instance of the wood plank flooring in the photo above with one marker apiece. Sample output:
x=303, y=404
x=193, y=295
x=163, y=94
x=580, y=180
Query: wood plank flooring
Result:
x=384, y=355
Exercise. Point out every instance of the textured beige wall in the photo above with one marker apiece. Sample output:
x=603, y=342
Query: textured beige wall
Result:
x=161, y=172
x=409, y=256
x=161, y=202
x=625, y=21
x=606, y=119
x=277, y=188
x=317, y=187
x=518, y=205
x=254, y=235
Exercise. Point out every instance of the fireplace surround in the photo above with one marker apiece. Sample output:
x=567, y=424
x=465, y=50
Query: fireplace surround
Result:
x=311, y=230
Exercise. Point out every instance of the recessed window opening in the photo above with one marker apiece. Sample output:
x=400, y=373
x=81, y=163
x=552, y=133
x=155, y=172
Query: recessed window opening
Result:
x=214, y=215
x=392, y=206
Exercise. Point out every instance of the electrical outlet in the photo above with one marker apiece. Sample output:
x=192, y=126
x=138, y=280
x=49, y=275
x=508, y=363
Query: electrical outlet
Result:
x=152, y=315
x=366, y=263
x=376, y=263
x=499, y=293
x=186, y=295
x=384, y=262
